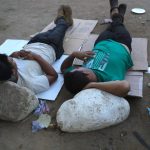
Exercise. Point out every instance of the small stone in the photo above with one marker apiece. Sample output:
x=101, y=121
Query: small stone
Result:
x=148, y=84
x=123, y=133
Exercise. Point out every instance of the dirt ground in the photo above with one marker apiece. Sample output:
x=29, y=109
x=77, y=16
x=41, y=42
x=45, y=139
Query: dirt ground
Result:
x=21, y=18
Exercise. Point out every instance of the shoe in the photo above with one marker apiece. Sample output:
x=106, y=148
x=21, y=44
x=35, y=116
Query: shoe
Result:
x=113, y=4
x=60, y=13
x=65, y=11
x=68, y=14
x=113, y=7
x=122, y=9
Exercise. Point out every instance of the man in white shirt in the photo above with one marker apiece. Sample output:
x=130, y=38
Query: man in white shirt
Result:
x=31, y=67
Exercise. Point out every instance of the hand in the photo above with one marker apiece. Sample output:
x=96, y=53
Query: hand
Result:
x=83, y=55
x=28, y=55
x=15, y=54
x=20, y=54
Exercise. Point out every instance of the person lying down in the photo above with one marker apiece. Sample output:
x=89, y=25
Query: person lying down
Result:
x=106, y=65
x=31, y=67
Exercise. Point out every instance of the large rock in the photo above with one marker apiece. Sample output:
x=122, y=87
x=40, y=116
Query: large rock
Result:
x=92, y=109
x=16, y=102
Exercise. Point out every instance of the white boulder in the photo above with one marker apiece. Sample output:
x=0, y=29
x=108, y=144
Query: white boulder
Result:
x=92, y=109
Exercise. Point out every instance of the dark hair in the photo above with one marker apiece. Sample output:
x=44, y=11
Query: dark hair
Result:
x=75, y=81
x=5, y=68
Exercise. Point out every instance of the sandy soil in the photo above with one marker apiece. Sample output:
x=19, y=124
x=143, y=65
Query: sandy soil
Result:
x=21, y=18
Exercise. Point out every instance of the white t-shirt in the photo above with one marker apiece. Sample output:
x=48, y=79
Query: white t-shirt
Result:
x=30, y=73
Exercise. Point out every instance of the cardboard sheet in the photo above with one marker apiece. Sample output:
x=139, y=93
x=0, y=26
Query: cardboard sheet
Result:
x=53, y=91
x=12, y=45
x=139, y=53
x=72, y=44
x=76, y=34
x=135, y=79
x=80, y=29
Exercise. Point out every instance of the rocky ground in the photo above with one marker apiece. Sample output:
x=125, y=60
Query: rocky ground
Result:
x=21, y=18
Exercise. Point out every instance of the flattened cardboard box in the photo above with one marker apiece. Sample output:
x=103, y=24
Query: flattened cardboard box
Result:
x=75, y=35
x=135, y=78
x=80, y=29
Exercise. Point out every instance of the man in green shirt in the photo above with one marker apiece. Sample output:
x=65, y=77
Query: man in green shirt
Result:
x=105, y=66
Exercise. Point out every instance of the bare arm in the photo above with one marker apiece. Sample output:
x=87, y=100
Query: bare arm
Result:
x=45, y=66
x=118, y=88
x=77, y=54
x=16, y=54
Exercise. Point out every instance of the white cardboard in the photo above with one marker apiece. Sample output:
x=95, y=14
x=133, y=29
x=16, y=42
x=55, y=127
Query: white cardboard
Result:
x=12, y=45
x=53, y=91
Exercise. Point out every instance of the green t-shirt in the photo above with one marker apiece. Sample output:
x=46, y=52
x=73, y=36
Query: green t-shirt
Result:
x=111, y=61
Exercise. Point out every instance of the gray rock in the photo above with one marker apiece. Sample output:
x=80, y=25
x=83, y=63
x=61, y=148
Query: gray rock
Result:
x=16, y=102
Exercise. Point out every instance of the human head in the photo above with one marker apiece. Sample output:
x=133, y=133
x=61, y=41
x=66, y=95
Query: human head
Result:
x=6, y=68
x=76, y=79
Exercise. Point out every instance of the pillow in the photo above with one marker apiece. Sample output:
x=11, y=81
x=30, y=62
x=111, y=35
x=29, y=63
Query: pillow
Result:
x=92, y=109
x=16, y=102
